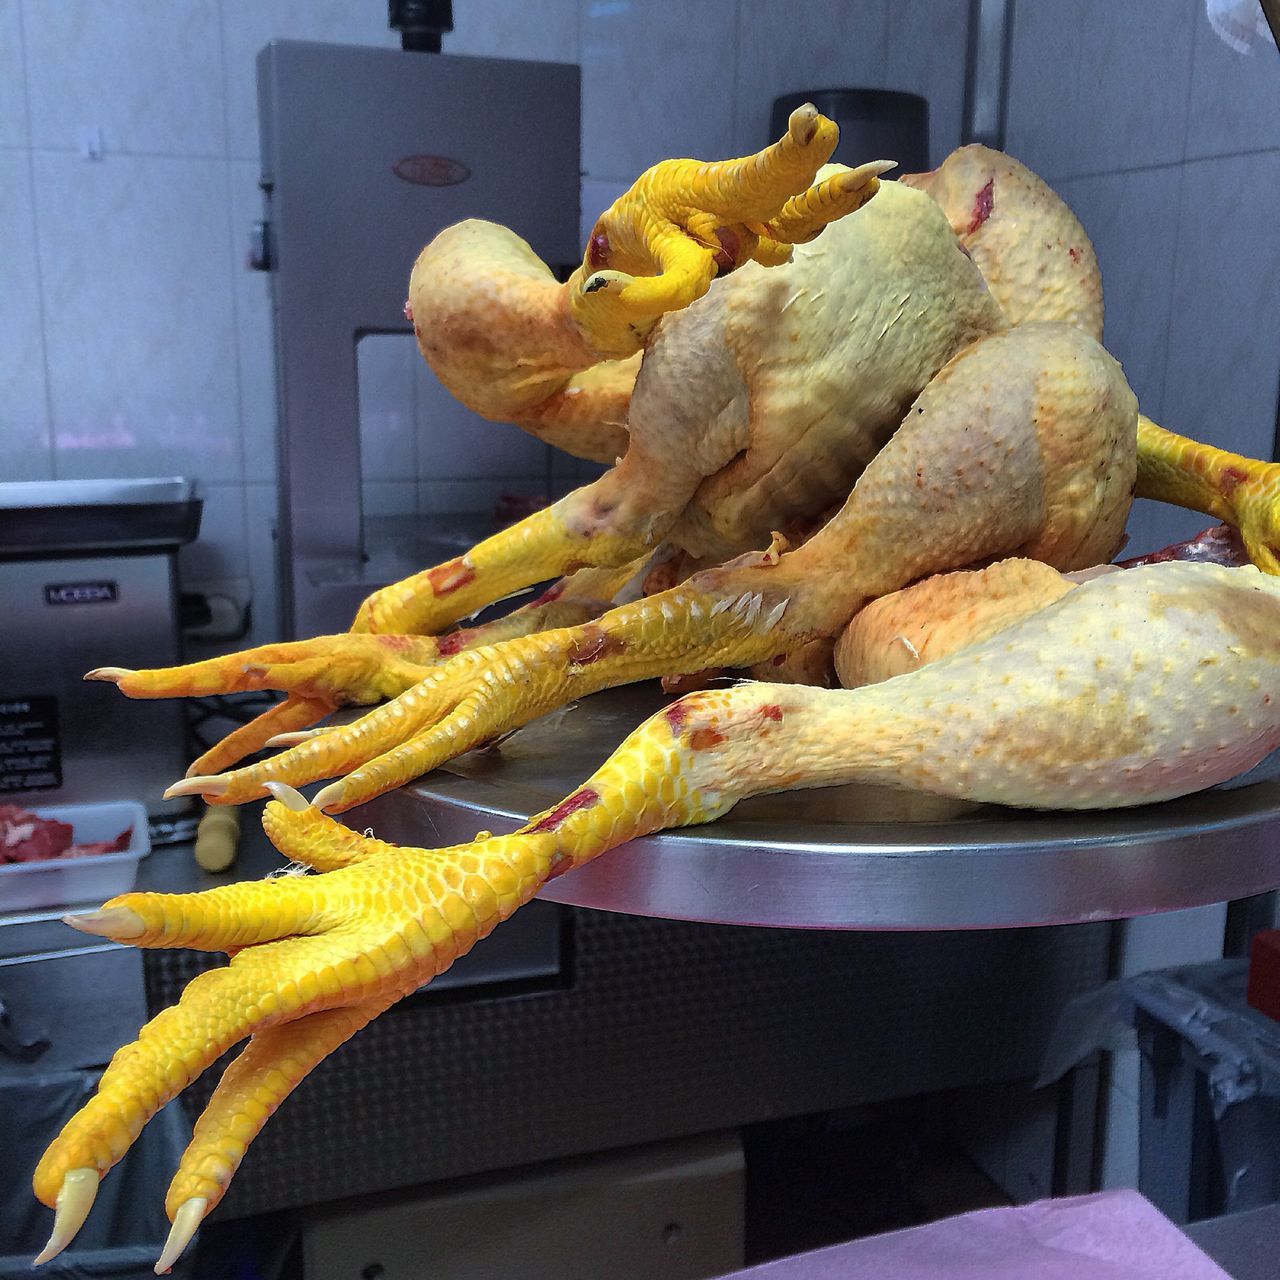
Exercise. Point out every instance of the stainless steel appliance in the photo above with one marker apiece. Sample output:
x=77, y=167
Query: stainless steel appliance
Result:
x=367, y=153
x=88, y=578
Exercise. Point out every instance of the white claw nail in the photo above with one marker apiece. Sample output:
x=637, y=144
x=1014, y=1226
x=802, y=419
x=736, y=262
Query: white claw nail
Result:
x=332, y=794
x=185, y=1223
x=119, y=923
x=75, y=1199
x=113, y=674
x=288, y=796
x=210, y=785
x=295, y=737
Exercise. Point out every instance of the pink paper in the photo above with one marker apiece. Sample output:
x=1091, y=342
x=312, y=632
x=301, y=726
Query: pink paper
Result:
x=1116, y=1235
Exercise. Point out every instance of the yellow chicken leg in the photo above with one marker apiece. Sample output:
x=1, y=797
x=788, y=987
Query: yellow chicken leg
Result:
x=1018, y=718
x=1245, y=492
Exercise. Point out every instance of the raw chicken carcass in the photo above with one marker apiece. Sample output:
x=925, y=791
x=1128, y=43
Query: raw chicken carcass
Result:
x=903, y=364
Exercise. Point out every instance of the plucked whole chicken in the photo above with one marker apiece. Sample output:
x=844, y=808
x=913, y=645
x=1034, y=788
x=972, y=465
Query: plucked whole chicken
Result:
x=864, y=429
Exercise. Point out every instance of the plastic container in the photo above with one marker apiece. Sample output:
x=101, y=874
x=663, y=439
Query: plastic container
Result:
x=57, y=882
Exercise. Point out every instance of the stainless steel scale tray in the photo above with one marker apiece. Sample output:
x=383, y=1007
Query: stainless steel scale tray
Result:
x=854, y=857
x=44, y=517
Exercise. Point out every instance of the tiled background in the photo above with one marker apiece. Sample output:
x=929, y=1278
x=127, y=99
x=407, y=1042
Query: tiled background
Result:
x=137, y=342
x=1167, y=145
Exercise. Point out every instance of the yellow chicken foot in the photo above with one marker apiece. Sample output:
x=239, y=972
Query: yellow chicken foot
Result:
x=1245, y=492
x=726, y=617
x=315, y=958
x=659, y=246
x=317, y=675
x=1178, y=689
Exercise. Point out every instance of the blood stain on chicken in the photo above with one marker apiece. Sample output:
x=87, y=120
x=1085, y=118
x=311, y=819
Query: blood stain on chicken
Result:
x=677, y=715
x=593, y=644
x=453, y=643
x=726, y=257
x=983, y=203
x=1232, y=478
x=598, y=250
x=583, y=799
x=553, y=592
x=447, y=578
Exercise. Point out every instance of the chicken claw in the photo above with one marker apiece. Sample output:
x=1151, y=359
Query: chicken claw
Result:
x=314, y=959
x=358, y=669
x=659, y=246
x=318, y=676
x=727, y=617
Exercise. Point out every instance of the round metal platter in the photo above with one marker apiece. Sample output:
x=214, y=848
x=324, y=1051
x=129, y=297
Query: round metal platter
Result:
x=855, y=857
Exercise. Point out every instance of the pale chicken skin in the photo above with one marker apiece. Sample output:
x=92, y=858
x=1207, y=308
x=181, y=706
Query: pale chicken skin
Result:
x=931, y=364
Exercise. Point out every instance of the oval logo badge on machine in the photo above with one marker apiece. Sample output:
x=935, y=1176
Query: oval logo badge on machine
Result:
x=431, y=171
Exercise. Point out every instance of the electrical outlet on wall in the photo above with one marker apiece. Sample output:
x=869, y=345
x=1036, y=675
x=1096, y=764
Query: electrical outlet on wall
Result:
x=227, y=601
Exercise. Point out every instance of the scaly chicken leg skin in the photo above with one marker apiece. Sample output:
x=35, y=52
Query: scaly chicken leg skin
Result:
x=1017, y=718
x=1023, y=443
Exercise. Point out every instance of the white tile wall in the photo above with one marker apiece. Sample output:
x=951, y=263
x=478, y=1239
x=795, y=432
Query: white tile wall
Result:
x=13, y=78
x=135, y=262
x=24, y=418
x=138, y=341
x=657, y=81
x=540, y=30
x=147, y=74
x=1235, y=97
x=1224, y=332
x=1043, y=102
x=1097, y=86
